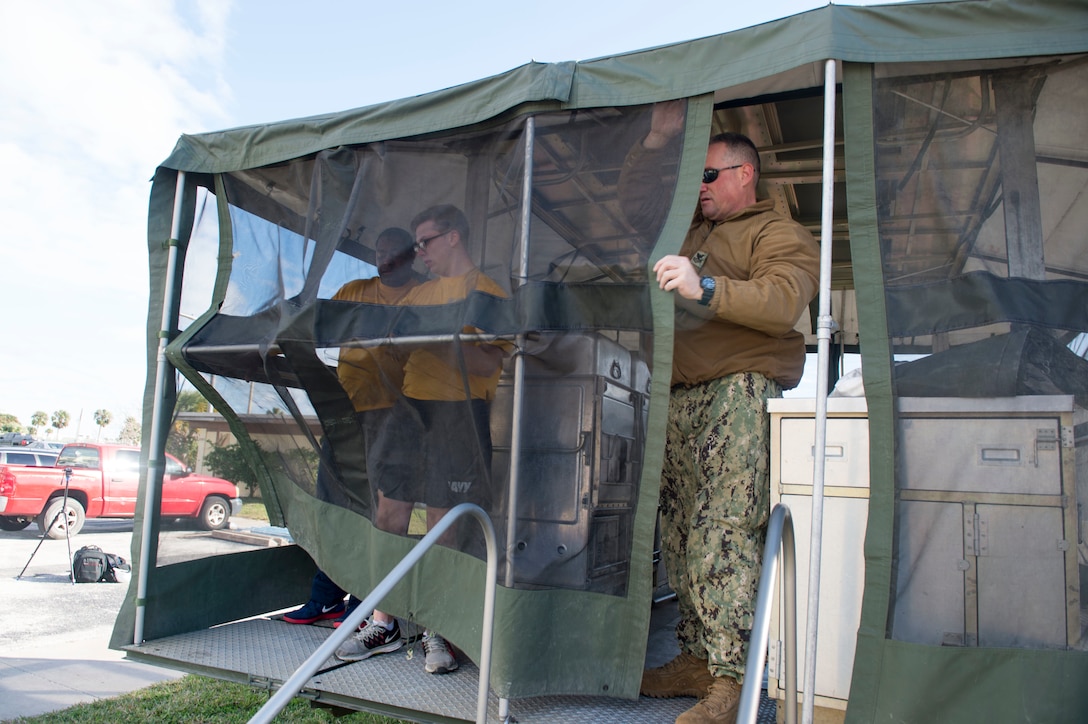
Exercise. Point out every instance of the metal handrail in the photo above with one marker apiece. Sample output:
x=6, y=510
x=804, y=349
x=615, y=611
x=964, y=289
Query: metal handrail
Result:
x=780, y=542
x=298, y=680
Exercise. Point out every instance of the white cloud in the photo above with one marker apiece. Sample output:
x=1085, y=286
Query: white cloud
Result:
x=94, y=96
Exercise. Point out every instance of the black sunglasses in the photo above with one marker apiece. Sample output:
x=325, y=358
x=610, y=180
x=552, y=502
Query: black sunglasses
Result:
x=710, y=175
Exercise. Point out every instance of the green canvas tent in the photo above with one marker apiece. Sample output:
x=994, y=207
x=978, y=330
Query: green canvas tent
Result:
x=955, y=214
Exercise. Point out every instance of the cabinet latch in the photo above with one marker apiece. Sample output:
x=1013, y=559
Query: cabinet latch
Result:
x=1046, y=440
x=774, y=656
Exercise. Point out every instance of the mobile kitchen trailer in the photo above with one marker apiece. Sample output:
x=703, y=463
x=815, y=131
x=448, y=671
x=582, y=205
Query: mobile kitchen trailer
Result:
x=955, y=214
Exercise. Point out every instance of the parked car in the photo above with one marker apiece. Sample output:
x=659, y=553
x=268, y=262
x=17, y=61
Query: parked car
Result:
x=102, y=483
x=15, y=438
x=49, y=445
x=15, y=456
x=28, y=456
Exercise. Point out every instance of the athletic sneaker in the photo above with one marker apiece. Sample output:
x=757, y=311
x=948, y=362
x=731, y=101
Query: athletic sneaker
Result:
x=314, y=611
x=353, y=603
x=372, y=640
x=440, y=658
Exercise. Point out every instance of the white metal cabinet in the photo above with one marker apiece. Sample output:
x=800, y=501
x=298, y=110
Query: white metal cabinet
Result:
x=987, y=526
x=986, y=523
x=846, y=505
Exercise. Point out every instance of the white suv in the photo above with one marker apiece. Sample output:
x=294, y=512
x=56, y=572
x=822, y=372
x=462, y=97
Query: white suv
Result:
x=26, y=456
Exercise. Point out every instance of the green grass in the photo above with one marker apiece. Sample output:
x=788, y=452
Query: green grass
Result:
x=253, y=508
x=194, y=699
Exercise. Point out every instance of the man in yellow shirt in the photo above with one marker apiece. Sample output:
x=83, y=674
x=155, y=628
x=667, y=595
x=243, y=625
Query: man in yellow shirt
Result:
x=372, y=378
x=441, y=382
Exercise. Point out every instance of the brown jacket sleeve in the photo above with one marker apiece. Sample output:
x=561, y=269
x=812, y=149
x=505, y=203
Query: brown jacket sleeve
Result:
x=784, y=277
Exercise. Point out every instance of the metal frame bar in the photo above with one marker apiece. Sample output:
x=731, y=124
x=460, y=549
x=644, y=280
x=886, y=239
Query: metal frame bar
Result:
x=825, y=325
x=298, y=680
x=519, y=376
x=519, y=362
x=156, y=456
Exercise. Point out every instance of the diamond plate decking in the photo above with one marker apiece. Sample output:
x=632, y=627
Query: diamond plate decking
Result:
x=266, y=652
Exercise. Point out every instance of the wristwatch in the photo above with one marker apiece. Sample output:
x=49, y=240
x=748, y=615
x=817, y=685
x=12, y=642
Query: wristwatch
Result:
x=707, y=283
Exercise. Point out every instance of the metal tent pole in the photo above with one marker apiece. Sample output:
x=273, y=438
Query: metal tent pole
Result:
x=825, y=324
x=519, y=362
x=156, y=455
x=519, y=377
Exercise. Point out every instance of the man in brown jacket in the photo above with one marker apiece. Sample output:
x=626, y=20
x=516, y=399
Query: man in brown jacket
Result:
x=744, y=275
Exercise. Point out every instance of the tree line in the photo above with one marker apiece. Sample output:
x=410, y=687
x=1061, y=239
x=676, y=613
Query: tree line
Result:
x=41, y=423
x=229, y=462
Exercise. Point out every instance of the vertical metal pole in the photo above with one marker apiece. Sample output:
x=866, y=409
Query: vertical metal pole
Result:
x=156, y=455
x=519, y=375
x=824, y=326
x=519, y=363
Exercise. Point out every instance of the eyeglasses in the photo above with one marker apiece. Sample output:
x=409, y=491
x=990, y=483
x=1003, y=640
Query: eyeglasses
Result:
x=422, y=243
x=710, y=175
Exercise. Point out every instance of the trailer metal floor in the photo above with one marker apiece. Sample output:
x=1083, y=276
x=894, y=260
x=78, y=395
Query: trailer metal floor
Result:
x=265, y=652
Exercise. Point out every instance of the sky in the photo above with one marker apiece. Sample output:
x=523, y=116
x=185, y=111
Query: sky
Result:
x=94, y=95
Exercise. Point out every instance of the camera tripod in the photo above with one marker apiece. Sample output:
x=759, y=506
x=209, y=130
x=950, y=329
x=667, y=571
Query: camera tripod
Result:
x=67, y=532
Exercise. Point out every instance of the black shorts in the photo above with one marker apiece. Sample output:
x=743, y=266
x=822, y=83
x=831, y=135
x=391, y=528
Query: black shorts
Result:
x=436, y=453
x=343, y=481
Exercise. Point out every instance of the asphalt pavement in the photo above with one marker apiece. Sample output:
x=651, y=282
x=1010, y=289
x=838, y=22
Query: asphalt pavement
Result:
x=54, y=635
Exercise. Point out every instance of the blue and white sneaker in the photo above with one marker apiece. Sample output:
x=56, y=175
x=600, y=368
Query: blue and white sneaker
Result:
x=314, y=611
x=353, y=603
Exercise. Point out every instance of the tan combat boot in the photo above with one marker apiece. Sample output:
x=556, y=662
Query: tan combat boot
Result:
x=686, y=675
x=718, y=706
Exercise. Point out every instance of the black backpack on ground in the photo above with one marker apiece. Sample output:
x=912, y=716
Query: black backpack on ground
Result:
x=91, y=564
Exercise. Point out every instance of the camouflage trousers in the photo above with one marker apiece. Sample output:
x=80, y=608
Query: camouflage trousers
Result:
x=715, y=491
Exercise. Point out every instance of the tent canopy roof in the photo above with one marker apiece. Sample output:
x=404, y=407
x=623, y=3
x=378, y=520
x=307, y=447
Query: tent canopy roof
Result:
x=775, y=57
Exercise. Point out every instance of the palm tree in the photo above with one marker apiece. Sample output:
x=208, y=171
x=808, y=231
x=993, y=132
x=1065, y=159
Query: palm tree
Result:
x=102, y=418
x=60, y=420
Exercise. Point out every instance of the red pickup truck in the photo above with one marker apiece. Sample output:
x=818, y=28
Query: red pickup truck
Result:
x=103, y=484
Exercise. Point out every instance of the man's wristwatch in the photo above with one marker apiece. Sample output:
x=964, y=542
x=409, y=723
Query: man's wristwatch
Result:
x=707, y=283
